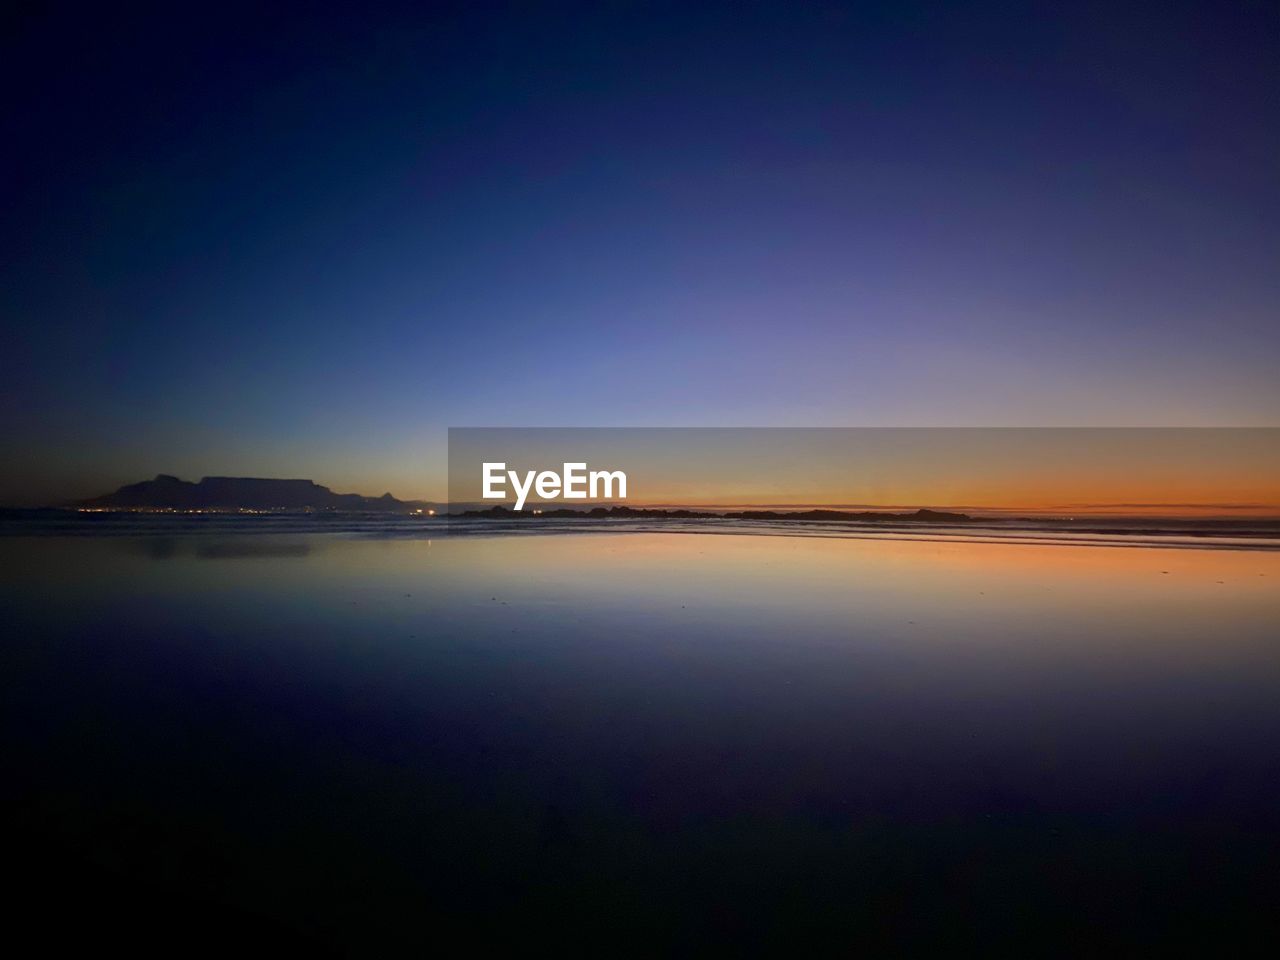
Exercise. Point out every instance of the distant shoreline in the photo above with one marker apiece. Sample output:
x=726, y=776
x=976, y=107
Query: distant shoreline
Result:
x=169, y=527
x=1267, y=525
x=642, y=513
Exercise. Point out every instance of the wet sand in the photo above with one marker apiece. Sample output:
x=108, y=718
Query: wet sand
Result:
x=646, y=739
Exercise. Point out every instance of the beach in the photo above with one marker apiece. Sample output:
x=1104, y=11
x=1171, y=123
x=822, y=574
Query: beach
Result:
x=348, y=740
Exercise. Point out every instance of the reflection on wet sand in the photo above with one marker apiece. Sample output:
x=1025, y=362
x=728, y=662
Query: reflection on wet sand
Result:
x=756, y=740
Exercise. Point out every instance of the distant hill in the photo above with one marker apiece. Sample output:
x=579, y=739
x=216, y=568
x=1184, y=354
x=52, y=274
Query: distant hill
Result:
x=243, y=493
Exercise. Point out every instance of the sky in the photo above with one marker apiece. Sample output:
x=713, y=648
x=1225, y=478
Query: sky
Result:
x=305, y=242
x=1164, y=471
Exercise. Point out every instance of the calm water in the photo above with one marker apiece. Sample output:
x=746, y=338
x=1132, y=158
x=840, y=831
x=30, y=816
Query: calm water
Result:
x=642, y=738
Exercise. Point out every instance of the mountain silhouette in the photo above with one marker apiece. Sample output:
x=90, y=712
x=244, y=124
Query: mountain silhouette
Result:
x=167, y=492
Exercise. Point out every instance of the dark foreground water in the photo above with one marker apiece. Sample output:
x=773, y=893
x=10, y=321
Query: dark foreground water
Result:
x=640, y=741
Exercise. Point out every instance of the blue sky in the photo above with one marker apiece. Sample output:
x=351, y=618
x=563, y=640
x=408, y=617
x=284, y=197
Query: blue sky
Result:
x=306, y=243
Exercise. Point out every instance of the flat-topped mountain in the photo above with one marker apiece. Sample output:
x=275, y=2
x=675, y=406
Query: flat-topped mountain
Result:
x=242, y=493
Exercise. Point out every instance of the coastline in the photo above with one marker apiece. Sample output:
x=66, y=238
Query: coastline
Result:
x=1182, y=533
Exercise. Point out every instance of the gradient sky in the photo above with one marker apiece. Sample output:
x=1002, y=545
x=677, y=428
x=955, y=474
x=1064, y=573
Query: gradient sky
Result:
x=304, y=244
x=1169, y=471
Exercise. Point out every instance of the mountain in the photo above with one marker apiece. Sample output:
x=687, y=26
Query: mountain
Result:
x=243, y=493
